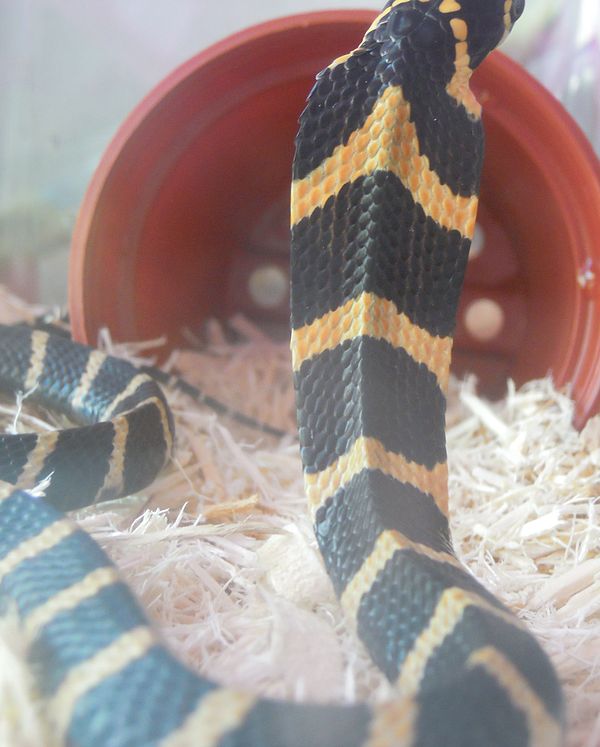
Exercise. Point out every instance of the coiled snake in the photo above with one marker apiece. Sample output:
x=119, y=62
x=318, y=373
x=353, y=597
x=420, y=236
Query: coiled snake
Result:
x=384, y=200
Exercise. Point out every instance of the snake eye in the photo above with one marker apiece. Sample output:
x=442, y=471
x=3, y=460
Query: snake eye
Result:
x=404, y=22
x=420, y=29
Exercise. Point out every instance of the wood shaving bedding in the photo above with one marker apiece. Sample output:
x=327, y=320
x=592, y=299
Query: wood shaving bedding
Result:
x=222, y=555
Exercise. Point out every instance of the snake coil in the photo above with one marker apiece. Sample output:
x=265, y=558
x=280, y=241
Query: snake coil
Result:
x=384, y=202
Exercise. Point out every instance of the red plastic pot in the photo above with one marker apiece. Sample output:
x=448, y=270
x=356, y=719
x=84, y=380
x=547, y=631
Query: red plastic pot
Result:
x=187, y=214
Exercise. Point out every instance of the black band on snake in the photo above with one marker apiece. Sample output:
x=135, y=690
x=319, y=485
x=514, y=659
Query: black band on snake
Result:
x=384, y=201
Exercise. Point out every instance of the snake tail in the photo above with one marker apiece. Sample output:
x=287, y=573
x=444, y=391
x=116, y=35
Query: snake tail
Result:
x=384, y=202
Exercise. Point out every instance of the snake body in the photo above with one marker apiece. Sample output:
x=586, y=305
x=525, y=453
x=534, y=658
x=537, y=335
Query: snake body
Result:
x=384, y=200
x=125, y=429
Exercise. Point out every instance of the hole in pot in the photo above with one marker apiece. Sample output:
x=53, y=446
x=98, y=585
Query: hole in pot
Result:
x=484, y=319
x=268, y=286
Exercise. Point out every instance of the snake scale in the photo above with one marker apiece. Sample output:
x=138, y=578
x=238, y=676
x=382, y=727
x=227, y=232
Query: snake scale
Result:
x=384, y=199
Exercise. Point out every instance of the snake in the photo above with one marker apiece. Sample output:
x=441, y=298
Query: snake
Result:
x=384, y=197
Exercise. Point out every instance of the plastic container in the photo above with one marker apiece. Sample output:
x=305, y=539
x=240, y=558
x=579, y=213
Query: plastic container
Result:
x=187, y=214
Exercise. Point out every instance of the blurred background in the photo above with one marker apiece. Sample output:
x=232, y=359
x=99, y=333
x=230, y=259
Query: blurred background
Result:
x=71, y=70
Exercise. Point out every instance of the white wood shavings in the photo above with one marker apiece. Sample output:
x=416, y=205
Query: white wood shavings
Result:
x=487, y=416
x=541, y=525
x=13, y=309
x=138, y=353
x=531, y=533
x=21, y=722
x=561, y=588
x=294, y=569
x=22, y=421
x=221, y=551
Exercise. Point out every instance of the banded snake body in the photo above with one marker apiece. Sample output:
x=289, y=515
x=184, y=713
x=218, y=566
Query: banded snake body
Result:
x=384, y=200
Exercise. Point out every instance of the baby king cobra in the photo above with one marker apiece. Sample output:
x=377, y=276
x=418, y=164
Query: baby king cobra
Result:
x=384, y=200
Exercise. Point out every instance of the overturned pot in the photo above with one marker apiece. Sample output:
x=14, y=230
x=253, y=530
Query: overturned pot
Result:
x=186, y=216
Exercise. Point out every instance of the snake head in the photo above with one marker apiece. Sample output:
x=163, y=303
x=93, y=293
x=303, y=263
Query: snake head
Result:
x=488, y=23
x=436, y=25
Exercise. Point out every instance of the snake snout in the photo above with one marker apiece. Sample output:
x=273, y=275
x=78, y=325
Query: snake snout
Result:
x=516, y=10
